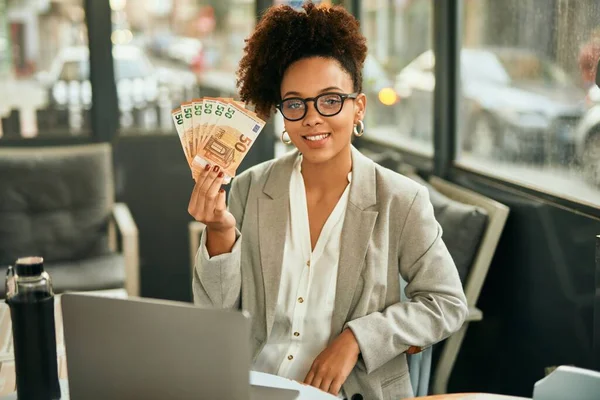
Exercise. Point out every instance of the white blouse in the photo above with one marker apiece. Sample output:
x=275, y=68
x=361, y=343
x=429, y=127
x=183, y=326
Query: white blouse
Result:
x=302, y=324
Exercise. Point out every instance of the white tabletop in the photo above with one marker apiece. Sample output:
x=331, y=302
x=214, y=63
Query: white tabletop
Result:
x=306, y=392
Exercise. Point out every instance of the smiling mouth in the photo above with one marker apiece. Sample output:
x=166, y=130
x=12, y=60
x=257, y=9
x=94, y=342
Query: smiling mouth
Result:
x=315, y=138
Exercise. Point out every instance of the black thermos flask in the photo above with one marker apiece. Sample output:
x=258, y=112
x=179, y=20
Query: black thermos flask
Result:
x=30, y=298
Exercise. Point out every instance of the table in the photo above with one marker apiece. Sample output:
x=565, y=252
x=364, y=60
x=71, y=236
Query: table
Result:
x=7, y=365
x=470, y=396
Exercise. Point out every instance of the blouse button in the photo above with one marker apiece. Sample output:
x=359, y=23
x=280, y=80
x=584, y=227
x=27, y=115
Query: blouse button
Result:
x=300, y=300
x=296, y=334
x=290, y=357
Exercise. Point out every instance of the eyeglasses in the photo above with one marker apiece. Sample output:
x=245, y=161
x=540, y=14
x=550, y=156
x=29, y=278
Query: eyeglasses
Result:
x=326, y=104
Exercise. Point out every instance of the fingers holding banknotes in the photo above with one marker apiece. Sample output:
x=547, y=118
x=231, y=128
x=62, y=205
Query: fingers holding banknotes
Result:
x=207, y=203
x=218, y=132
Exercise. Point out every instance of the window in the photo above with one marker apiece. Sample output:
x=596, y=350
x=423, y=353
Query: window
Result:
x=529, y=110
x=398, y=76
x=167, y=52
x=43, y=69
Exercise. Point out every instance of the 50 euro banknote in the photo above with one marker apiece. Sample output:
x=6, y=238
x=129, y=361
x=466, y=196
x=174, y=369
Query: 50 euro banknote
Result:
x=233, y=133
x=187, y=141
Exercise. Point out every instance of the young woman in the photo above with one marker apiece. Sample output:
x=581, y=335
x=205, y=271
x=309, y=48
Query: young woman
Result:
x=312, y=243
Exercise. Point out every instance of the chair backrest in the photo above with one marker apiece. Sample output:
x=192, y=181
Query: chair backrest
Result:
x=598, y=73
x=568, y=382
x=497, y=215
x=55, y=202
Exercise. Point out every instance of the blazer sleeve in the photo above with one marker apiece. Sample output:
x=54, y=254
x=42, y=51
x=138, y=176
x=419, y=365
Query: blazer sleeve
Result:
x=438, y=306
x=216, y=281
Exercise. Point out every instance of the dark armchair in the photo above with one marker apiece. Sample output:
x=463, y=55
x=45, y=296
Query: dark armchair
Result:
x=58, y=203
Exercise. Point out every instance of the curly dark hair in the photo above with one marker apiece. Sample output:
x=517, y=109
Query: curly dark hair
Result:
x=284, y=36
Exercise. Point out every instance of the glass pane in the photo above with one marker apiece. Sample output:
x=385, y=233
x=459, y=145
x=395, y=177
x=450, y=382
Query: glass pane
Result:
x=530, y=112
x=167, y=52
x=398, y=74
x=44, y=83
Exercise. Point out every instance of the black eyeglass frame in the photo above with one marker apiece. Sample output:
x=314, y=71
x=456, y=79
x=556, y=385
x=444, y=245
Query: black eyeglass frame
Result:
x=343, y=96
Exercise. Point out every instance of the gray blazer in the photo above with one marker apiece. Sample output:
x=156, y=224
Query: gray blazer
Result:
x=389, y=227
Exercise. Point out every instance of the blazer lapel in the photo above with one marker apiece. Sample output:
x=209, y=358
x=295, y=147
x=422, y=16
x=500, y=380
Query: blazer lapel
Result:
x=356, y=234
x=273, y=215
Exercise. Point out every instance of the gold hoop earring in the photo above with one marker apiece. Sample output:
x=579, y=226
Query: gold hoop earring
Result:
x=359, y=132
x=286, y=142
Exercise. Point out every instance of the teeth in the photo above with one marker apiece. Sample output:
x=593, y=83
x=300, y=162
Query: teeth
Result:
x=317, y=137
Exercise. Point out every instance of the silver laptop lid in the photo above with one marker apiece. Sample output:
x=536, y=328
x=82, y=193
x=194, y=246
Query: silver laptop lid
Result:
x=152, y=349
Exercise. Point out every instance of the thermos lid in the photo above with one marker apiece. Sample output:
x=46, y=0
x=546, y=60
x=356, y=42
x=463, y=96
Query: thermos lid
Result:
x=29, y=266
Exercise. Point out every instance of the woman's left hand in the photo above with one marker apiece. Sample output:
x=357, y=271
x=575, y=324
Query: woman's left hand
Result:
x=331, y=368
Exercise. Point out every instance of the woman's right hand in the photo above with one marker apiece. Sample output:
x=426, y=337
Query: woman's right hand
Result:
x=207, y=203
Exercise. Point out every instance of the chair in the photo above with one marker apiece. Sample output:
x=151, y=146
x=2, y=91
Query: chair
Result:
x=497, y=214
x=568, y=382
x=469, y=221
x=472, y=225
x=58, y=203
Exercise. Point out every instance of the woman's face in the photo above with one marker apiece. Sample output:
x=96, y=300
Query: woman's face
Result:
x=321, y=138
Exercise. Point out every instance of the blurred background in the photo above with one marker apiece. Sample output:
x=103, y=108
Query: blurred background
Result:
x=511, y=111
x=528, y=110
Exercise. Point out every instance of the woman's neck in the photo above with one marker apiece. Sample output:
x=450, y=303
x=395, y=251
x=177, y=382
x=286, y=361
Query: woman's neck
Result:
x=323, y=177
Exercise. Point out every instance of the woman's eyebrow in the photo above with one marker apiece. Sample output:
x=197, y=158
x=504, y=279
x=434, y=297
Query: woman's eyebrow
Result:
x=320, y=91
x=291, y=93
x=327, y=89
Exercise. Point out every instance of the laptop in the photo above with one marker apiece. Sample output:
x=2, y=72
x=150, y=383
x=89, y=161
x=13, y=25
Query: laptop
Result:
x=155, y=349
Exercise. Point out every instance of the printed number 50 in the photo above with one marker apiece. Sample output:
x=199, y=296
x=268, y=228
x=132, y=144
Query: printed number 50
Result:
x=241, y=144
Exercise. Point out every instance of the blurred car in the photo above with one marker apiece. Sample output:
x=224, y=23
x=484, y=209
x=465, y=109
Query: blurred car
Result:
x=587, y=138
x=139, y=83
x=184, y=50
x=197, y=56
x=158, y=44
x=69, y=85
x=513, y=103
x=145, y=93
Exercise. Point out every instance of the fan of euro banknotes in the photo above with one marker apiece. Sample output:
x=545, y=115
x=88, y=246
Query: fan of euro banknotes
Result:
x=216, y=131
